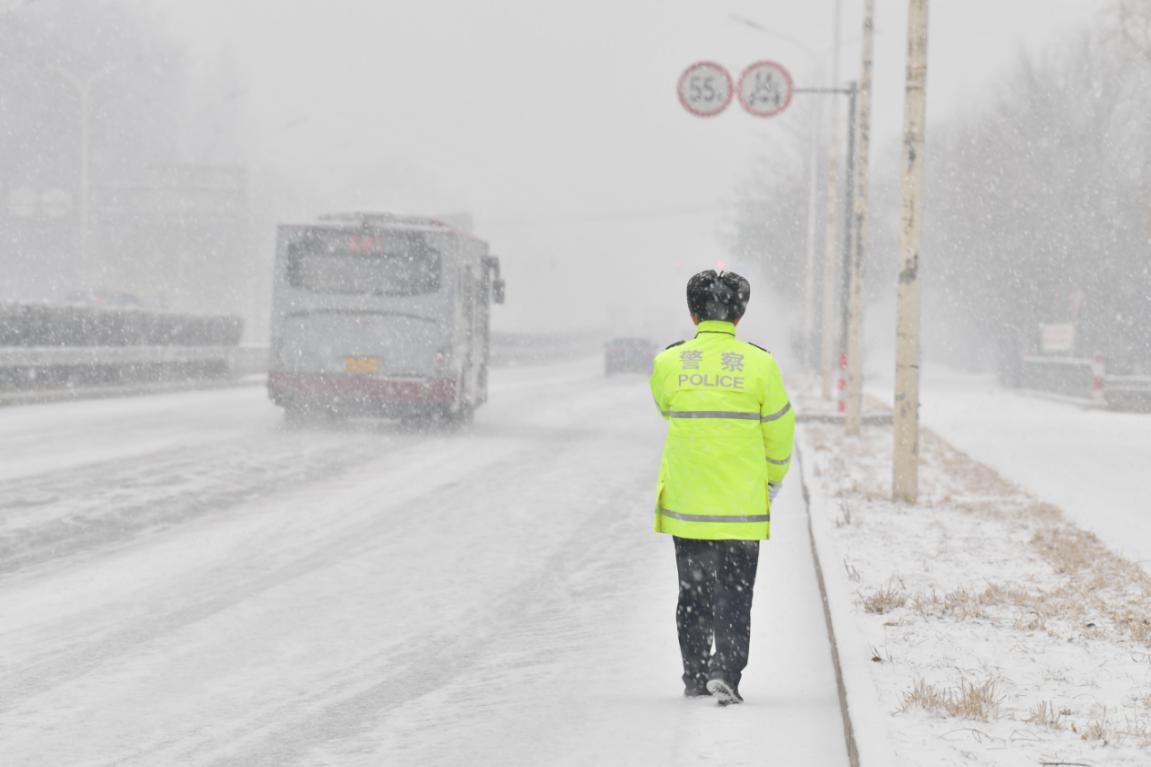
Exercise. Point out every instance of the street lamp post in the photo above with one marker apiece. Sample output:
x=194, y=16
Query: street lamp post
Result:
x=854, y=403
x=83, y=86
x=827, y=303
x=809, y=262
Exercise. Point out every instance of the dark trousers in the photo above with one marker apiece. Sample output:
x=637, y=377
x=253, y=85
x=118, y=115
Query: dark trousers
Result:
x=716, y=580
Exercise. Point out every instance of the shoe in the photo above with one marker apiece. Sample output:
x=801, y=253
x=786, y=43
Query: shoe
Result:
x=725, y=694
x=696, y=691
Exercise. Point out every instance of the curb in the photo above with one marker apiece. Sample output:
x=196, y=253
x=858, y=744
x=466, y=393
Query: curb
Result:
x=864, y=719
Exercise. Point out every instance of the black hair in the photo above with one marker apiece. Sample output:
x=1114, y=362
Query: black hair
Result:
x=715, y=295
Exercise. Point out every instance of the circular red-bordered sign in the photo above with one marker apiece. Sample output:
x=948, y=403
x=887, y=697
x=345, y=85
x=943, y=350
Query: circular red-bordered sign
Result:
x=705, y=89
x=765, y=88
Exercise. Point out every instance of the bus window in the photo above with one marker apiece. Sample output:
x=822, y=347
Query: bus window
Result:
x=362, y=265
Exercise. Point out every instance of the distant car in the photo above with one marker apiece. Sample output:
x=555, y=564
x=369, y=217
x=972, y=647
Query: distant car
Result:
x=628, y=355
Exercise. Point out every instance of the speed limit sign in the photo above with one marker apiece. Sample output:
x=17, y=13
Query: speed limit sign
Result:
x=705, y=89
x=765, y=89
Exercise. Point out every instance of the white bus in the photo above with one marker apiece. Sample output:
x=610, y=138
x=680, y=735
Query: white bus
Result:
x=376, y=314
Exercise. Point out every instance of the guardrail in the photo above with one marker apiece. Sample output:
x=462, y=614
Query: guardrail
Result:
x=1065, y=376
x=32, y=368
x=1128, y=392
x=1085, y=381
x=68, y=326
x=95, y=356
x=67, y=348
x=46, y=373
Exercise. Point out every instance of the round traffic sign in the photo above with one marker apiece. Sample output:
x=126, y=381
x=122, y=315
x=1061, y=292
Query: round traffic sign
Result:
x=705, y=89
x=765, y=88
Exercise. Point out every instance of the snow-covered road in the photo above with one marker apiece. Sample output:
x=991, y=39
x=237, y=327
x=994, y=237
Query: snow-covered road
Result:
x=183, y=581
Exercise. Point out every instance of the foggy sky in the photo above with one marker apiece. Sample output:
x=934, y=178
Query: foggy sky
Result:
x=557, y=124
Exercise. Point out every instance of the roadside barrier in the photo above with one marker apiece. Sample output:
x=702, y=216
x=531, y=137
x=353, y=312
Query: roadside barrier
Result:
x=1085, y=381
x=49, y=325
x=83, y=367
x=46, y=347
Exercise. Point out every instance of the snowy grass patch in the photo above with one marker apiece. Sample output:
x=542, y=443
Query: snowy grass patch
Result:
x=999, y=632
x=967, y=700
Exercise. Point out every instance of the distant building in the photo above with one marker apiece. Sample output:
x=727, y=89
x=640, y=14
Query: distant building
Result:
x=177, y=237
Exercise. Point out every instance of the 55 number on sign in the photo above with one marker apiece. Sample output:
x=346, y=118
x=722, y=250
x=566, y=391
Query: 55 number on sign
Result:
x=705, y=89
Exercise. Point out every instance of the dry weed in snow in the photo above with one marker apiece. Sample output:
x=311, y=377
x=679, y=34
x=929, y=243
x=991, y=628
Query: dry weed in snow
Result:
x=966, y=701
x=1045, y=714
x=981, y=581
x=885, y=600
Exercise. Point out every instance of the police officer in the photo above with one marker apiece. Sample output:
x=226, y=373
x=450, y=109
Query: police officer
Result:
x=729, y=440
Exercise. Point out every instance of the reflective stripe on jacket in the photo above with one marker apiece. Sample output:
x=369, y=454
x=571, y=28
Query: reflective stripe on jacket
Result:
x=730, y=431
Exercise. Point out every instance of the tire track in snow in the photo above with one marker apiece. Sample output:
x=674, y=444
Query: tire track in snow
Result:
x=110, y=504
x=502, y=458
x=244, y=580
x=99, y=505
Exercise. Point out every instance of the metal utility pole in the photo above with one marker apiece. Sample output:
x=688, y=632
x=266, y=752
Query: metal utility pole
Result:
x=848, y=242
x=85, y=89
x=830, y=262
x=859, y=215
x=809, y=261
x=905, y=471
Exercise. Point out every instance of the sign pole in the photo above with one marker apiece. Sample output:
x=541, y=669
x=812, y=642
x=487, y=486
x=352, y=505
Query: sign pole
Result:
x=765, y=89
x=905, y=470
x=848, y=242
x=826, y=336
x=853, y=415
x=830, y=249
x=831, y=263
x=809, y=360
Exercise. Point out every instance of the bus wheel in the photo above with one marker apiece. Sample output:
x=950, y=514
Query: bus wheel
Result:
x=461, y=416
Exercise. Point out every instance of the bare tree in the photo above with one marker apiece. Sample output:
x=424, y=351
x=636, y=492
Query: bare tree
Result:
x=1036, y=205
x=1135, y=24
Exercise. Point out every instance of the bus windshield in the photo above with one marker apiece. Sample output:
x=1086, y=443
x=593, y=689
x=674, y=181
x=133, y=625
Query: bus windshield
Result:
x=374, y=263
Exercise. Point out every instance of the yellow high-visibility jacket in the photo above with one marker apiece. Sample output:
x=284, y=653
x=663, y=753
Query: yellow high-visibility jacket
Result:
x=730, y=432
